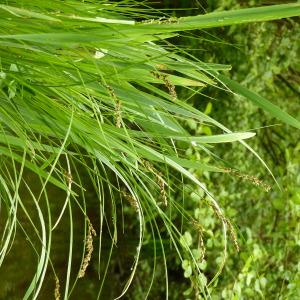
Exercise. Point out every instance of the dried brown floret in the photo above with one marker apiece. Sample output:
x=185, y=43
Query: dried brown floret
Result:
x=88, y=249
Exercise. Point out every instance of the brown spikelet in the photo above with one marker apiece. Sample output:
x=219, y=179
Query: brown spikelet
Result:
x=159, y=179
x=250, y=178
x=132, y=201
x=200, y=230
x=118, y=106
x=68, y=176
x=233, y=235
x=168, y=84
x=162, y=189
x=88, y=249
x=202, y=247
x=57, y=289
x=229, y=225
x=118, y=116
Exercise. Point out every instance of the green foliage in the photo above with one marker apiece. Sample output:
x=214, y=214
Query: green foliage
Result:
x=267, y=265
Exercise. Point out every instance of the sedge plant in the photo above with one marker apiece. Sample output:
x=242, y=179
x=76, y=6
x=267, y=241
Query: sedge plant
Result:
x=92, y=126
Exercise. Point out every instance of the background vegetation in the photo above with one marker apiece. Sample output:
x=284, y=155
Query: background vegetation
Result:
x=265, y=58
x=111, y=153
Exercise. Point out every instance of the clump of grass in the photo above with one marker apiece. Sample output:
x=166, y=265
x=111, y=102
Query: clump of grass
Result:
x=79, y=90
